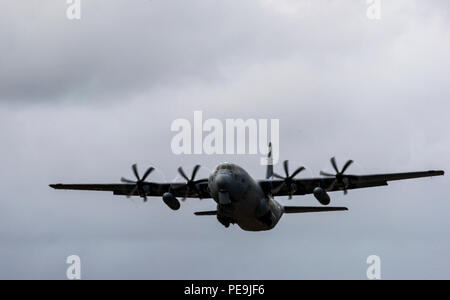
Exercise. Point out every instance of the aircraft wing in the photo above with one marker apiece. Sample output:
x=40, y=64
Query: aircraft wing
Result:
x=151, y=189
x=306, y=186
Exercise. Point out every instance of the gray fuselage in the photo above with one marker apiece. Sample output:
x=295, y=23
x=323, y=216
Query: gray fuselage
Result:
x=240, y=199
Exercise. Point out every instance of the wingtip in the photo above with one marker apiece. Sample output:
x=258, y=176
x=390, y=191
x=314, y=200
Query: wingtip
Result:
x=438, y=173
x=341, y=208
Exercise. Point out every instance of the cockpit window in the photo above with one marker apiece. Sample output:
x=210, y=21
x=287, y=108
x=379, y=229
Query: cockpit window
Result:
x=225, y=166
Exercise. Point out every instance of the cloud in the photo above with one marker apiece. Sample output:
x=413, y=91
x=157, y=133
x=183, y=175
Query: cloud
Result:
x=122, y=49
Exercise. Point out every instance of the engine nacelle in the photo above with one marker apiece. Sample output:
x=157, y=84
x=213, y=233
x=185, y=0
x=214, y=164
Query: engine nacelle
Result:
x=170, y=200
x=321, y=196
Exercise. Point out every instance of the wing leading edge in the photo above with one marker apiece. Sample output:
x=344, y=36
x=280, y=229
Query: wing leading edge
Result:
x=307, y=186
x=151, y=189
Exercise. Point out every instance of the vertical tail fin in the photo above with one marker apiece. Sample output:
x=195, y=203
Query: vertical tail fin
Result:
x=269, y=172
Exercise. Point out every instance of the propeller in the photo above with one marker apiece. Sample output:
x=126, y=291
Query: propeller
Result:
x=340, y=177
x=288, y=179
x=139, y=183
x=191, y=183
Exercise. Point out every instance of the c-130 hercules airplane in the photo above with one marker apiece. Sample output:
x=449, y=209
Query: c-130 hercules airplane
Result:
x=244, y=201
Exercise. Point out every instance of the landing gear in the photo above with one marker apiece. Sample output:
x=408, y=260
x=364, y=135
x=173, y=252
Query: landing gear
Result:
x=224, y=221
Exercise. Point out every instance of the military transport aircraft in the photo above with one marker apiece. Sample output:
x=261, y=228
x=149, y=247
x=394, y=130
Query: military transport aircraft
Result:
x=242, y=200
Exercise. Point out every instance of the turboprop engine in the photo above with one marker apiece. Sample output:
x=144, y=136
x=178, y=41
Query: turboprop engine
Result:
x=321, y=196
x=170, y=200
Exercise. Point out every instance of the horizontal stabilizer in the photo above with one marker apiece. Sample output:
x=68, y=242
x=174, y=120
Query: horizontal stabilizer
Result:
x=308, y=209
x=206, y=213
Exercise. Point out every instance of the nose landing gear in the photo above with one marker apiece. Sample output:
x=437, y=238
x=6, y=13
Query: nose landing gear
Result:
x=224, y=221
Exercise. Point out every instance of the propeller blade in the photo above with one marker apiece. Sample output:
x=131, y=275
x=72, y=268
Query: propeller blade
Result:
x=346, y=166
x=124, y=180
x=135, y=171
x=279, y=188
x=326, y=174
x=148, y=172
x=191, y=184
x=292, y=190
x=181, y=171
x=186, y=193
x=197, y=190
x=340, y=178
x=287, y=181
x=138, y=185
x=132, y=191
x=201, y=180
x=194, y=172
x=286, y=167
x=331, y=187
x=277, y=176
x=296, y=172
x=334, y=164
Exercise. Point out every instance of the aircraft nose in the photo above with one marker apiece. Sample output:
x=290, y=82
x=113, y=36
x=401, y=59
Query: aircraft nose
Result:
x=223, y=181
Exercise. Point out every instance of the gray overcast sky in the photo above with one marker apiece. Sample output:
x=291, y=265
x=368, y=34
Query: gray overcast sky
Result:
x=80, y=101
